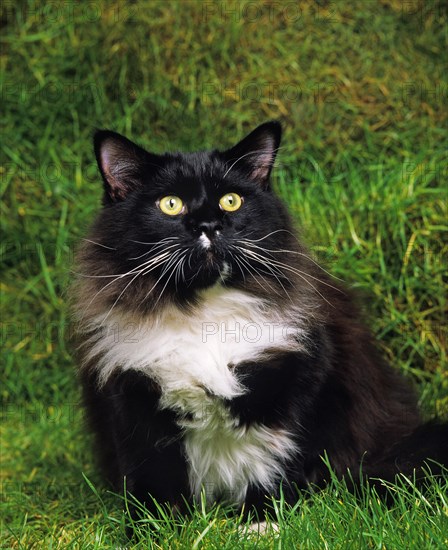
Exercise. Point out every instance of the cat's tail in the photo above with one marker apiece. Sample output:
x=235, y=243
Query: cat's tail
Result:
x=424, y=451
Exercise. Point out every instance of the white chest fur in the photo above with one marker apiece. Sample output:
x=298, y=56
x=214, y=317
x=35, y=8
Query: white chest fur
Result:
x=189, y=357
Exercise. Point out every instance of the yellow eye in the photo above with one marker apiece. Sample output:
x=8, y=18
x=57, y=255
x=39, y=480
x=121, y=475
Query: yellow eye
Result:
x=171, y=205
x=230, y=202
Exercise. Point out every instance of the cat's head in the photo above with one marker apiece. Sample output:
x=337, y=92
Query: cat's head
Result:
x=175, y=223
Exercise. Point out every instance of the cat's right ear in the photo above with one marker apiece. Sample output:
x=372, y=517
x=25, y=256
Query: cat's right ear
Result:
x=255, y=154
x=122, y=164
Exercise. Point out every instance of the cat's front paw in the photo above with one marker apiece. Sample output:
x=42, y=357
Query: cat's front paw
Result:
x=263, y=528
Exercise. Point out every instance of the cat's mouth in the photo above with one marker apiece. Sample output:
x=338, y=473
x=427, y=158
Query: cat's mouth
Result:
x=208, y=262
x=211, y=257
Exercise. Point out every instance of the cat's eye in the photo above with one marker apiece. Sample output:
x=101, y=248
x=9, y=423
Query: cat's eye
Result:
x=171, y=205
x=230, y=202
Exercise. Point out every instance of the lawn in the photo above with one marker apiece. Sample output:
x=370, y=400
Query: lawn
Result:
x=360, y=88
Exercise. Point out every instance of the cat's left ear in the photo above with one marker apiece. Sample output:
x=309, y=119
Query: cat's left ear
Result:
x=255, y=154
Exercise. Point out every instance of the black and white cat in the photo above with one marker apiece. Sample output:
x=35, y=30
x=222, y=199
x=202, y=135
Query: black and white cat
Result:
x=216, y=355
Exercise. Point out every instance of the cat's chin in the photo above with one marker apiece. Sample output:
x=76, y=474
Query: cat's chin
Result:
x=209, y=275
x=210, y=269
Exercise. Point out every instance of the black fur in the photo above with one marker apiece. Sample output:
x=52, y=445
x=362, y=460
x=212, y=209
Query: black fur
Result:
x=337, y=397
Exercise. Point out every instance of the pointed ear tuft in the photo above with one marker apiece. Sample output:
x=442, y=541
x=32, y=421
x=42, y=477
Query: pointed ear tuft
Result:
x=256, y=153
x=122, y=164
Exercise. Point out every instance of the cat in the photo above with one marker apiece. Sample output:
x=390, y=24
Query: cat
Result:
x=216, y=355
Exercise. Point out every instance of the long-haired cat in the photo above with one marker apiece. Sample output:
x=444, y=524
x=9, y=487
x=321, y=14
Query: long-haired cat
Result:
x=216, y=355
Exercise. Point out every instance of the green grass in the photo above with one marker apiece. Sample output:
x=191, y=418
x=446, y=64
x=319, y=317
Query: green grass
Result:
x=360, y=88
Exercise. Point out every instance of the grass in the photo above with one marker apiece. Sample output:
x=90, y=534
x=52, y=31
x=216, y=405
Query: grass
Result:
x=359, y=88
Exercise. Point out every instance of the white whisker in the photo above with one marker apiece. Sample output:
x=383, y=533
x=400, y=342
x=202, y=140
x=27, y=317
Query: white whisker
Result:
x=258, y=152
x=252, y=269
x=168, y=280
x=238, y=263
x=152, y=249
x=281, y=265
x=286, y=251
x=174, y=255
x=142, y=268
x=99, y=244
x=278, y=275
x=144, y=271
x=158, y=242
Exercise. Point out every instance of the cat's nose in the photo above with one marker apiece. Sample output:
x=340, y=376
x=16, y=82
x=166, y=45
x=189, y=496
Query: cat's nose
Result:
x=210, y=229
